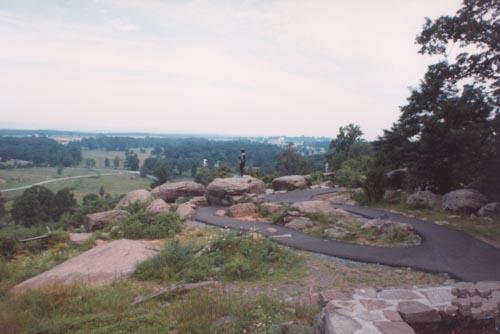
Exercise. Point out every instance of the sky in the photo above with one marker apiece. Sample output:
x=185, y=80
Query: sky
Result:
x=260, y=67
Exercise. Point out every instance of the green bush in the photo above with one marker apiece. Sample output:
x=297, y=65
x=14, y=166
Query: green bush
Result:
x=233, y=256
x=140, y=225
x=376, y=180
x=352, y=173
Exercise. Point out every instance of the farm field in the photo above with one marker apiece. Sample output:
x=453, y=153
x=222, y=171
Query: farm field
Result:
x=120, y=183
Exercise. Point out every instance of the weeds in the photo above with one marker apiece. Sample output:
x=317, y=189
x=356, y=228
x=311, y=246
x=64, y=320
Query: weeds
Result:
x=232, y=256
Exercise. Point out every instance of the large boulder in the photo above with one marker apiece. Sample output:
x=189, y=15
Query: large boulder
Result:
x=100, y=265
x=243, y=209
x=314, y=206
x=424, y=199
x=396, y=178
x=290, y=182
x=185, y=211
x=158, y=206
x=221, y=190
x=467, y=200
x=170, y=191
x=94, y=221
x=491, y=210
x=136, y=196
x=198, y=201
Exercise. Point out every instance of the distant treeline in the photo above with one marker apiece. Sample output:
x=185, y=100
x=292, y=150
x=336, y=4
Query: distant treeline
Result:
x=40, y=151
x=188, y=153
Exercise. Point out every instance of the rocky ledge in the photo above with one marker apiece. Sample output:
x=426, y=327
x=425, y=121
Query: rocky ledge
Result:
x=462, y=308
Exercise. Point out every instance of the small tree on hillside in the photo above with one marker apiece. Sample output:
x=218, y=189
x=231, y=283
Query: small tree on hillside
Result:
x=33, y=206
x=116, y=162
x=290, y=162
x=64, y=202
x=106, y=162
x=376, y=181
x=102, y=192
x=2, y=206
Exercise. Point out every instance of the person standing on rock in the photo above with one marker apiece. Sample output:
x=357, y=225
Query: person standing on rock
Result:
x=243, y=158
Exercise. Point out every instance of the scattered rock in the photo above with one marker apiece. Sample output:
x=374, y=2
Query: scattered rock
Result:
x=271, y=230
x=221, y=190
x=158, y=206
x=491, y=210
x=198, y=201
x=290, y=182
x=300, y=223
x=466, y=200
x=185, y=211
x=269, y=191
x=79, y=238
x=97, y=266
x=424, y=199
x=170, y=191
x=414, y=312
x=220, y=213
x=136, y=196
x=314, y=206
x=396, y=178
x=337, y=232
x=243, y=209
x=272, y=208
x=94, y=221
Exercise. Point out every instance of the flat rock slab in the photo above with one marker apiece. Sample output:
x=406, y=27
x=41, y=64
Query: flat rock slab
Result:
x=97, y=266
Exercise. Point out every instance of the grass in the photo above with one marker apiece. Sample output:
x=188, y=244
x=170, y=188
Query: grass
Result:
x=231, y=256
x=462, y=222
x=82, y=309
x=113, y=184
x=141, y=225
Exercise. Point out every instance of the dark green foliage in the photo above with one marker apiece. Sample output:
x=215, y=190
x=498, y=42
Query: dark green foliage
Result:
x=443, y=136
x=131, y=161
x=340, y=146
x=448, y=132
x=106, y=162
x=376, y=181
x=10, y=236
x=140, y=225
x=64, y=202
x=40, y=151
x=60, y=169
x=474, y=29
x=90, y=199
x=159, y=168
x=290, y=162
x=35, y=205
x=116, y=162
x=186, y=154
x=232, y=256
x=90, y=163
x=102, y=191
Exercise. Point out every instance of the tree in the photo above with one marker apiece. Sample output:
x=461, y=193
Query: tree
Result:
x=448, y=132
x=102, y=191
x=375, y=183
x=474, y=33
x=60, y=168
x=161, y=173
x=90, y=163
x=290, y=162
x=340, y=146
x=64, y=201
x=106, y=162
x=131, y=161
x=116, y=162
x=90, y=199
x=204, y=175
x=33, y=206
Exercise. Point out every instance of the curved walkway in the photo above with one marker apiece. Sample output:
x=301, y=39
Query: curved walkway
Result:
x=442, y=250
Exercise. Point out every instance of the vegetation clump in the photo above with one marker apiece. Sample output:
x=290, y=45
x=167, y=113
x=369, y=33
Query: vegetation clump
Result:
x=232, y=256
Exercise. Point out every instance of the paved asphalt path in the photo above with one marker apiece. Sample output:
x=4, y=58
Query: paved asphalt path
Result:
x=443, y=250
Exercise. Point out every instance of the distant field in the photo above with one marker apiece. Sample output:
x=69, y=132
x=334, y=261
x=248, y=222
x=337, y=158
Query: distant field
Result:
x=100, y=155
x=113, y=184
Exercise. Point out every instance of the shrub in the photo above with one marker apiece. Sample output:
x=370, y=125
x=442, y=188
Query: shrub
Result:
x=376, y=181
x=232, y=256
x=140, y=225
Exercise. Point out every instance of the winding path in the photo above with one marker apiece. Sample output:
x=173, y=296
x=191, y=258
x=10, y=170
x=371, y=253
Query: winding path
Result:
x=442, y=250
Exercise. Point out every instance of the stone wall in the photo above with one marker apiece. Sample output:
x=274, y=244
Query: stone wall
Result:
x=460, y=309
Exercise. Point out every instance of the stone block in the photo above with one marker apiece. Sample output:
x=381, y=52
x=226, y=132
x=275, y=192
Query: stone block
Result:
x=391, y=327
x=414, y=312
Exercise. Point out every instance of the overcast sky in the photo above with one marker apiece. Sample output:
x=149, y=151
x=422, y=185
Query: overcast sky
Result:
x=262, y=67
